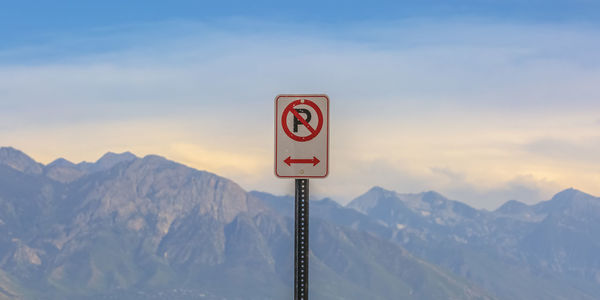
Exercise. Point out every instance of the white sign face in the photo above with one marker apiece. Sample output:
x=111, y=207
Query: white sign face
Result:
x=301, y=136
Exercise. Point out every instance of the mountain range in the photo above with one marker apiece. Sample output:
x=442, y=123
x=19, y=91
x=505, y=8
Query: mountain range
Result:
x=128, y=227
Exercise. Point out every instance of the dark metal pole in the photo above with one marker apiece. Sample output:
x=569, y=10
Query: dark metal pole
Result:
x=301, y=241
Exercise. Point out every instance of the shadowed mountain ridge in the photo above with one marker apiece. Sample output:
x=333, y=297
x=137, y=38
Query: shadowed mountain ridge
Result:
x=150, y=228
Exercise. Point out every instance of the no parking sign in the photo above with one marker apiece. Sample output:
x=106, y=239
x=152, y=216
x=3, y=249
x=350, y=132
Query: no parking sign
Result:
x=301, y=136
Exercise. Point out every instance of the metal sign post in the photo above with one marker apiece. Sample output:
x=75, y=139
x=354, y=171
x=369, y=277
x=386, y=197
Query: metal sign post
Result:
x=301, y=241
x=301, y=152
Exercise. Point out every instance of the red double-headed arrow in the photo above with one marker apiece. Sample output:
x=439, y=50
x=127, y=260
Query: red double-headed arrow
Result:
x=289, y=161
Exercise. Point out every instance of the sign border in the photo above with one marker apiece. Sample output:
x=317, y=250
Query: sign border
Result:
x=275, y=130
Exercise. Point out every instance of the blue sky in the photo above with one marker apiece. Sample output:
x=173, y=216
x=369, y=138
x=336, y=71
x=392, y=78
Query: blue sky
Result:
x=483, y=101
x=26, y=22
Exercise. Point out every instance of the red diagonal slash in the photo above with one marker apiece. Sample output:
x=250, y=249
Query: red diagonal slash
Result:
x=299, y=117
x=314, y=161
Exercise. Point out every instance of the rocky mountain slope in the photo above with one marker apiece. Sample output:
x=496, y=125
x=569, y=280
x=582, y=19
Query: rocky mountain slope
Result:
x=126, y=227
x=550, y=250
x=148, y=228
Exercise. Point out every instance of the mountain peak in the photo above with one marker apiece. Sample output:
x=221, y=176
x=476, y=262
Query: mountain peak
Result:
x=432, y=195
x=112, y=157
x=570, y=195
x=570, y=192
x=378, y=191
x=61, y=162
x=568, y=199
x=19, y=161
x=511, y=206
x=108, y=160
x=374, y=197
x=63, y=171
x=154, y=158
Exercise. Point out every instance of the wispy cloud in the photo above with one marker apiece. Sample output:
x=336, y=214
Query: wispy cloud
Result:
x=452, y=175
x=567, y=149
x=415, y=105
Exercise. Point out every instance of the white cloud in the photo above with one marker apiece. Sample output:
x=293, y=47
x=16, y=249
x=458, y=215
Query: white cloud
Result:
x=415, y=106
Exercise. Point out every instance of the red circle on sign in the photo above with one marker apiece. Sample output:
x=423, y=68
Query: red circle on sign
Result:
x=290, y=109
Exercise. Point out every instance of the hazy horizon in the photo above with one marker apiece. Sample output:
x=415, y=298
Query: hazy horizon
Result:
x=318, y=196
